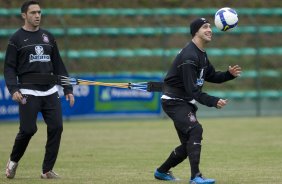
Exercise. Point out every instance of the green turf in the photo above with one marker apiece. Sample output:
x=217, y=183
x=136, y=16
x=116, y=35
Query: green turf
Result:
x=235, y=151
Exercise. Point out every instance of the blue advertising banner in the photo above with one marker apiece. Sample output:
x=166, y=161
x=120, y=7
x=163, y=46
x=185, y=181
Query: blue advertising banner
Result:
x=98, y=101
x=8, y=108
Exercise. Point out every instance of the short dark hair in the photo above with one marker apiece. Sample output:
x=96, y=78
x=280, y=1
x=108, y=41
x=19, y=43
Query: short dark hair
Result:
x=26, y=4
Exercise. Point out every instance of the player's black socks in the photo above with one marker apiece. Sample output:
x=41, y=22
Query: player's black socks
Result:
x=194, y=153
x=193, y=148
x=177, y=156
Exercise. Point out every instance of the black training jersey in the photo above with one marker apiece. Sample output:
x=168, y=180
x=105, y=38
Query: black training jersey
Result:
x=32, y=52
x=190, y=69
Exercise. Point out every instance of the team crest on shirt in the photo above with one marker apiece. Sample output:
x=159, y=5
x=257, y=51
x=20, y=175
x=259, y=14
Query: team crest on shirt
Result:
x=39, y=50
x=45, y=38
x=192, y=117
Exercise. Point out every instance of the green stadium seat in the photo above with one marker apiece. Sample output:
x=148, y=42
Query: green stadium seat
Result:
x=143, y=52
x=240, y=95
x=9, y=12
x=259, y=11
x=155, y=52
x=271, y=94
x=220, y=94
x=263, y=73
x=2, y=56
x=7, y=32
x=237, y=95
x=125, y=53
x=251, y=94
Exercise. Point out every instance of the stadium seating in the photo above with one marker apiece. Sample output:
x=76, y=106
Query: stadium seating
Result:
x=167, y=30
x=106, y=53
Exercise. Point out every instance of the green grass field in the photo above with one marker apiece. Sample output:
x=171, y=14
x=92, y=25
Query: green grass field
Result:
x=235, y=151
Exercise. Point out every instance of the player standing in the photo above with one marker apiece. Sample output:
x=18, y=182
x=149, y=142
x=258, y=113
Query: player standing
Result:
x=34, y=50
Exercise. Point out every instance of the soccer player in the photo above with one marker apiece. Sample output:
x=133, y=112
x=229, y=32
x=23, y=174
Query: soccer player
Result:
x=34, y=50
x=182, y=89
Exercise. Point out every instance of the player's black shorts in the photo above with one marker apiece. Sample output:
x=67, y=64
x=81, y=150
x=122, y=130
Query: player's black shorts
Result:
x=183, y=115
x=49, y=106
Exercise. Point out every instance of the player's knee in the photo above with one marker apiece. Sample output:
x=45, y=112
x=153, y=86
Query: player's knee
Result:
x=27, y=133
x=196, y=134
x=178, y=155
x=193, y=145
x=58, y=128
x=180, y=152
x=30, y=132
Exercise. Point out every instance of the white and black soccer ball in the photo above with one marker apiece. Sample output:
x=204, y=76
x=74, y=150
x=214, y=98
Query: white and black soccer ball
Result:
x=225, y=19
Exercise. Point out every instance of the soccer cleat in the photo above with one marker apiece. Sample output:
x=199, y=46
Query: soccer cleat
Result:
x=11, y=169
x=168, y=176
x=50, y=175
x=202, y=180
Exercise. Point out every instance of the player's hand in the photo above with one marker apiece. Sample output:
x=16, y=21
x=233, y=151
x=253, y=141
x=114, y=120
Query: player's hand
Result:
x=221, y=103
x=235, y=70
x=70, y=97
x=17, y=96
